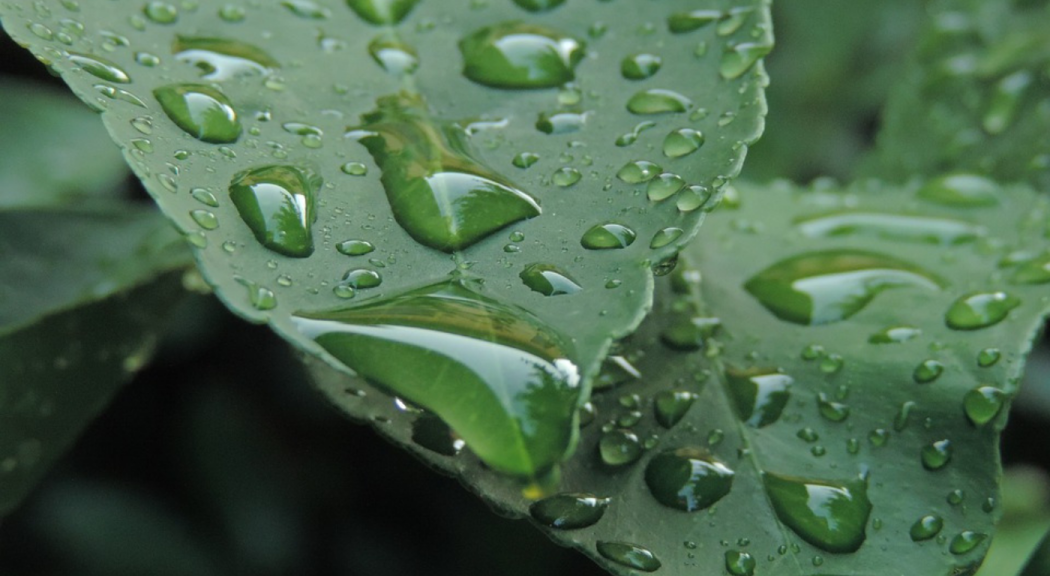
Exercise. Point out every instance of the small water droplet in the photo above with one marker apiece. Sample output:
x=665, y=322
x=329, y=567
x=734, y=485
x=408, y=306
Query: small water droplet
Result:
x=393, y=55
x=742, y=57
x=161, y=12
x=1034, y=271
x=740, y=563
x=665, y=237
x=927, y=371
x=277, y=204
x=688, y=479
x=980, y=310
x=912, y=228
x=658, y=101
x=903, y=417
x=520, y=55
x=382, y=12
x=664, y=186
x=937, y=455
x=361, y=278
x=619, y=448
x=100, y=68
x=205, y=219
x=689, y=333
x=260, y=297
x=833, y=411
x=609, y=236
x=629, y=555
x=566, y=176
x=640, y=66
x=988, y=357
x=561, y=122
x=759, y=394
x=926, y=527
x=671, y=406
x=895, y=335
x=693, y=197
x=569, y=511
x=961, y=191
x=525, y=160
x=201, y=111
x=221, y=59
x=682, y=142
x=549, y=280
x=965, y=542
x=354, y=169
x=682, y=22
x=983, y=404
x=539, y=5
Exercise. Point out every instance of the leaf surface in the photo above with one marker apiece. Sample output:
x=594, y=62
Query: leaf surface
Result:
x=376, y=175
x=838, y=440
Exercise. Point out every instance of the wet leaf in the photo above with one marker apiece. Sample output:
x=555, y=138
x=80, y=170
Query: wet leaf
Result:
x=973, y=98
x=464, y=142
x=82, y=300
x=820, y=427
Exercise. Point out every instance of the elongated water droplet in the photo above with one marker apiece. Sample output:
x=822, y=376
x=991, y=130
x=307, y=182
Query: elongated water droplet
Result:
x=688, y=479
x=1035, y=271
x=619, y=448
x=638, y=171
x=927, y=371
x=830, y=516
x=895, y=335
x=640, y=66
x=759, y=394
x=671, y=406
x=741, y=58
x=221, y=59
x=277, y=204
x=961, y=191
x=965, y=542
x=658, y=101
x=519, y=55
x=980, y=310
x=609, y=236
x=628, y=555
x=395, y=56
x=100, y=68
x=362, y=278
x=549, y=280
x=937, y=455
x=682, y=22
x=380, y=12
x=983, y=404
x=306, y=9
x=665, y=237
x=569, y=511
x=926, y=527
x=893, y=226
x=355, y=247
x=740, y=563
x=205, y=219
x=454, y=345
x=824, y=287
x=201, y=111
x=682, y=142
x=439, y=194
x=561, y=122
x=525, y=160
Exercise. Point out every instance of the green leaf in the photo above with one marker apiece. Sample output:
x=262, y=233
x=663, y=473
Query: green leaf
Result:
x=974, y=96
x=50, y=152
x=82, y=297
x=378, y=177
x=817, y=444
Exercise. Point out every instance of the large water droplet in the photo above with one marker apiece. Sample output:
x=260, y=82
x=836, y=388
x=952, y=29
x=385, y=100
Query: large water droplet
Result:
x=983, y=404
x=980, y=310
x=966, y=541
x=682, y=142
x=549, y=280
x=381, y=12
x=640, y=66
x=893, y=226
x=961, y=191
x=926, y=527
x=619, y=448
x=824, y=287
x=569, y=511
x=740, y=563
x=221, y=59
x=395, y=56
x=688, y=479
x=609, y=236
x=830, y=516
x=741, y=58
x=664, y=186
x=201, y=111
x=439, y=194
x=638, y=171
x=671, y=406
x=658, y=101
x=459, y=354
x=100, y=68
x=355, y=247
x=629, y=555
x=277, y=204
x=519, y=55
x=759, y=394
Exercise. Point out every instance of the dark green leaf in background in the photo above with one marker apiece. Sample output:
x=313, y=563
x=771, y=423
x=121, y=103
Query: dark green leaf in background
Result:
x=373, y=174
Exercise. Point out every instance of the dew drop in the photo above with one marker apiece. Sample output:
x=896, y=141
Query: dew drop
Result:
x=759, y=394
x=220, y=59
x=965, y=542
x=937, y=455
x=609, y=236
x=629, y=555
x=354, y=169
x=689, y=333
x=381, y=12
x=831, y=410
x=205, y=219
x=619, y=448
x=830, y=516
x=980, y=310
x=740, y=563
x=640, y=66
x=961, y=191
x=393, y=55
x=740, y=58
x=638, y=171
x=903, y=417
x=260, y=297
x=926, y=527
x=692, y=197
x=306, y=9
x=549, y=280
x=161, y=12
x=927, y=371
x=566, y=176
x=658, y=101
x=518, y=55
x=355, y=247
x=671, y=406
x=100, y=68
x=682, y=142
x=561, y=122
x=988, y=357
x=983, y=404
x=895, y=335
x=665, y=237
x=688, y=479
x=944, y=231
x=201, y=111
x=1035, y=271
x=277, y=204
x=682, y=22
x=664, y=186
x=525, y=160
x=569, y=511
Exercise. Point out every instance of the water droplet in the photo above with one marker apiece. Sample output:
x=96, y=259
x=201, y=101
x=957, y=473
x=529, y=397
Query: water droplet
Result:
x=740, y=563
x=961, y=191
x=260, y=297
x=452, y=344
x=682, y=22
x=439, y=194
x=895, y=335
x=569, y=511
x=638, y=171
x=965, y=542
x=519, y=55
x=893, y=226
x=825, y=287
x=664, y=186
x=393, y=55
x=665, y=237
x=619, y=448
x=640, y=66
x=688, y=479
x=937, y=455
x=380, y=12
x=539, y=5
x=692, y=198
x=566, y=176
x=100, y=68
x=277, y=204
x=900, y=421
x=927, y=371
x=525, y=160
x=609, y=236
x=306, y=9
x=980, y=310
x=220, y=59
x=682, y=142
x=355, y=247
x=672, y=405
x=830, y=516
x=988, y=357
x=629, y=555
x=432, y=433
x=833, y=411
x=1034, y=271
x=201, y=111
x=741, y=58
x=161, y=12
x=983, y=404
x=561, y=122
x=205, y=219
x=549, y=280
x=615, y=371
x=689, y=333
x=808, y=435
x=232, y=13
x=759, y=394
x=658, y=101
x=926, y=527
x=832, y=364
x=361, y=278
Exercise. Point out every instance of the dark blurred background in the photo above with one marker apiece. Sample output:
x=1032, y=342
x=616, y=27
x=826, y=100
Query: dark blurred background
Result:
x=220, y=459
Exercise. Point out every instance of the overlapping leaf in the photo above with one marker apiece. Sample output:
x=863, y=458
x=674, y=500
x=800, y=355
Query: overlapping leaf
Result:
x=882, y=403
x=454, y=146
